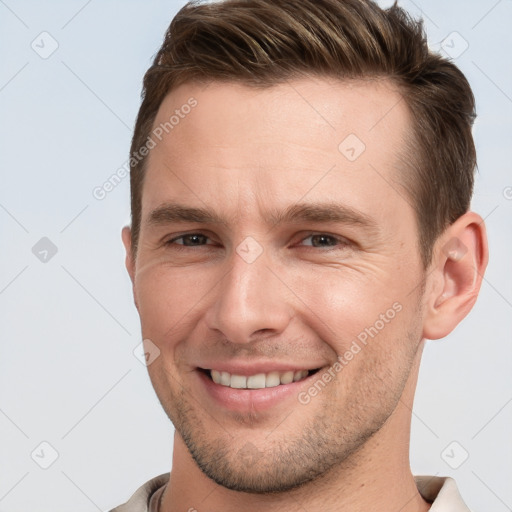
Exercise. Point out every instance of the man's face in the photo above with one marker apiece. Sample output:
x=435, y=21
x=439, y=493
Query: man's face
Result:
x=261, y=294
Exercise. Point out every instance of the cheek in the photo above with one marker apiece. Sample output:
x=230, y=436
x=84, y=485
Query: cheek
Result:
x=344, y=303
x=169, y=298
x=374, y=364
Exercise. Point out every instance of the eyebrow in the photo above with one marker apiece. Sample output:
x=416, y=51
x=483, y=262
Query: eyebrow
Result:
x=303, y=212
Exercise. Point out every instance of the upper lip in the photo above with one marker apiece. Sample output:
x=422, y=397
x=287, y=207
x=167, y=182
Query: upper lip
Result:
x=247, y=368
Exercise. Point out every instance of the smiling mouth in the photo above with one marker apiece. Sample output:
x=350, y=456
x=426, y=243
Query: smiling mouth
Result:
x=259, y=380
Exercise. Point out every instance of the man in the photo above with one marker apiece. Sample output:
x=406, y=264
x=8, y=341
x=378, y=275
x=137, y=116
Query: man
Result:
x=301, y=180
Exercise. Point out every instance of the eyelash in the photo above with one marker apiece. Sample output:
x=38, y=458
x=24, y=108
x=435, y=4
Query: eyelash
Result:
x=340, y=241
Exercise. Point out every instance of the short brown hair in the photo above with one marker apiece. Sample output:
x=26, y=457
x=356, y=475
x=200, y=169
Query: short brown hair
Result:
x=266, y=42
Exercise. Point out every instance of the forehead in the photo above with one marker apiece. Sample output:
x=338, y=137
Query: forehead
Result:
x=369, y=107
x=340, y=140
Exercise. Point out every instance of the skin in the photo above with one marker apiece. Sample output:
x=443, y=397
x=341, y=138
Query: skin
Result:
x=245, y=152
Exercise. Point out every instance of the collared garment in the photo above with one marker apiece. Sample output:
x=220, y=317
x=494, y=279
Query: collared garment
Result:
x=442, y=492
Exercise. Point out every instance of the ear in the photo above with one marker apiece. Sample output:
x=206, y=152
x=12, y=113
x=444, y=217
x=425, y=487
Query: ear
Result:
x=129, y=260
x=460, y=258
x=127, y=242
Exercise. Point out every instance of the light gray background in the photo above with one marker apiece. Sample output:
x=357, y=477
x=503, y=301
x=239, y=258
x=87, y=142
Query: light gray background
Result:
x=68, y=326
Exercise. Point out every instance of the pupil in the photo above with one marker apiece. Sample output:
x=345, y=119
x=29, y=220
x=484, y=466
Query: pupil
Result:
x=195, y=239
x=322, y=238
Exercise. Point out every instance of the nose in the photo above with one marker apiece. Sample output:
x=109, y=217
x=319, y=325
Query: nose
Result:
x=250, y=302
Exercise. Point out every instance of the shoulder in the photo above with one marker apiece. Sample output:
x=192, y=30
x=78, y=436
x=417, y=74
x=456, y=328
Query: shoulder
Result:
x=442, y=492
x=139, y=502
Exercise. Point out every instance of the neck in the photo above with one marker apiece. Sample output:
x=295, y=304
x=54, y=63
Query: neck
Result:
x=378, y=477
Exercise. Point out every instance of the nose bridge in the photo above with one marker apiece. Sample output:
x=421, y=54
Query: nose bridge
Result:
x=250, y=299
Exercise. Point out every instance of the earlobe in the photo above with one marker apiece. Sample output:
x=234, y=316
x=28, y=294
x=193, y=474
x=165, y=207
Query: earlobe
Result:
x=459, y=262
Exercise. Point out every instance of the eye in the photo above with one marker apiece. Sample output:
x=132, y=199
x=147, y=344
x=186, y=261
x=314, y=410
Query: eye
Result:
x=319, y=240
x=315, y=240
x=189, y=240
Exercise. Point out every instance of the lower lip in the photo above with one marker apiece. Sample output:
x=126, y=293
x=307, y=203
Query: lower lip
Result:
x=251, y=400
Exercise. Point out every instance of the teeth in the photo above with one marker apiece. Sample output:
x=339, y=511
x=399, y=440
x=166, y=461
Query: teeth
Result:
x=258, y=381
x=238, y=381
x=272, y=380
x=297, y=375
x=287, y=378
